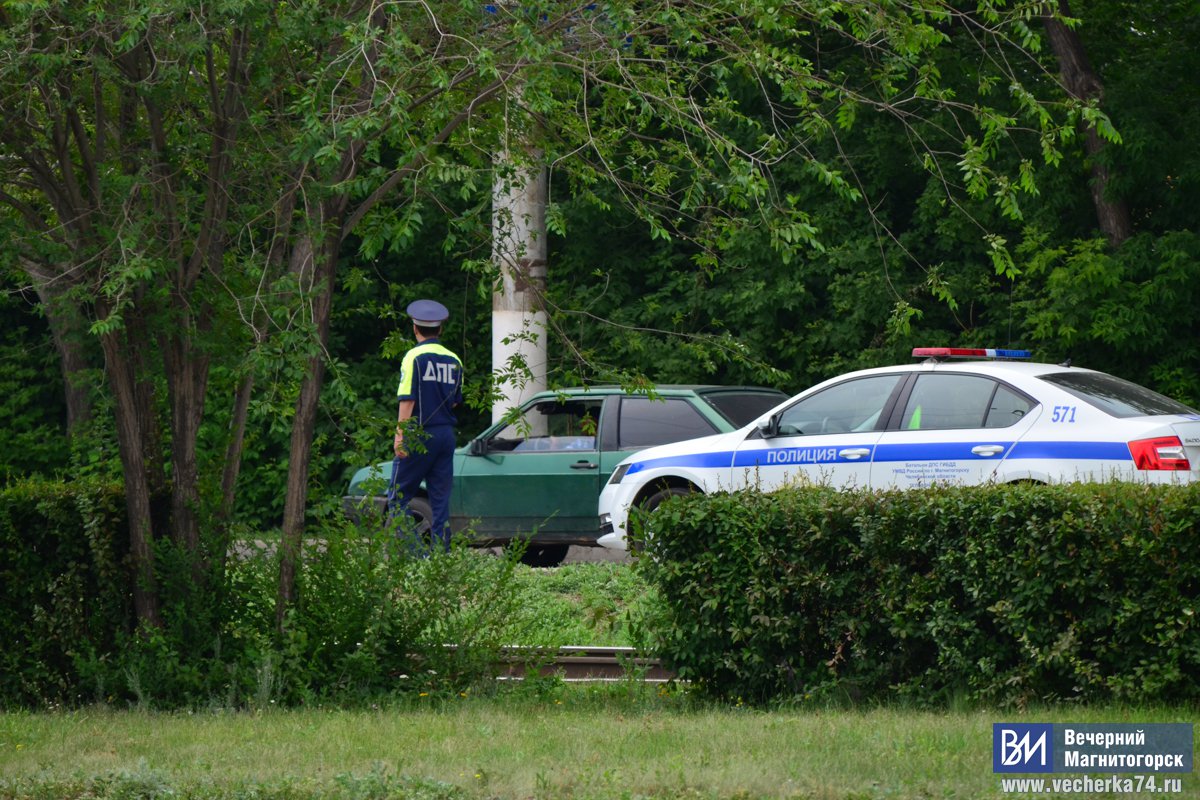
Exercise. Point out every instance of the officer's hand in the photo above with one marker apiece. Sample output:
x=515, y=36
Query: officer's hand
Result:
x=398, y=446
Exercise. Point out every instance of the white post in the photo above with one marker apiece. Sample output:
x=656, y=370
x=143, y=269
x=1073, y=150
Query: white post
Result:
x=519, y=194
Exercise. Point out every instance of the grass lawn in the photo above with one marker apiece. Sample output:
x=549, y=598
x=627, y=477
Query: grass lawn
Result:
x=549, y=742
x=593, y=604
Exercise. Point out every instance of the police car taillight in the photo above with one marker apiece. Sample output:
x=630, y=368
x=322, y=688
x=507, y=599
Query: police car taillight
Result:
x=968, y=352
x=1165, y=452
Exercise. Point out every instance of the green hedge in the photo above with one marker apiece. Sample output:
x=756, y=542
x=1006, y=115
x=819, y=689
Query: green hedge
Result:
x=64, y=584
x=1010, y=594
x=369, y=622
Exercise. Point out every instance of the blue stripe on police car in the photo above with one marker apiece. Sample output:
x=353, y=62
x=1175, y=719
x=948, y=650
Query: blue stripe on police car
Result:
x=890, y=453
x=1083, y=451
x=937, y=451
x=697, y=460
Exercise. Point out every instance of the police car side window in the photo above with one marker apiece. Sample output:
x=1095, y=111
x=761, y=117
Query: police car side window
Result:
x=949, y=401
x=1007, y=408
x=847, y=407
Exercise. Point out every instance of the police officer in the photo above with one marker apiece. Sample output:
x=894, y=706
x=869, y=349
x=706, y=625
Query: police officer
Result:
x=430, y=388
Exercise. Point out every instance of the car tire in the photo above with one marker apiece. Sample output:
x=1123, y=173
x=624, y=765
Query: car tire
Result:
x=654, y=501
x=422, y=512
x=544, y=555
x=661, y=496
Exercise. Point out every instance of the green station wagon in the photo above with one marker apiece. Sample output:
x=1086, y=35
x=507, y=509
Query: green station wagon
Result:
x=539, y=476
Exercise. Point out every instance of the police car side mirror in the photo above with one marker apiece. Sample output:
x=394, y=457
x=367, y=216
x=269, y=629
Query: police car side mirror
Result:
x=478, y=447
x=769, y=427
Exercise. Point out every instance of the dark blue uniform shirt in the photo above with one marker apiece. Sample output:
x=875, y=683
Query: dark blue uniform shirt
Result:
x=431, y=376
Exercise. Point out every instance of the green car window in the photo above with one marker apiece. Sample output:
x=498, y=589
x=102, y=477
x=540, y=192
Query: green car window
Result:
x=551, y=427
x=645, y=422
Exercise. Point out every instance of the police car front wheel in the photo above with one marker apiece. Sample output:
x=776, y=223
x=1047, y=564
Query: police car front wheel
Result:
x=650, y=503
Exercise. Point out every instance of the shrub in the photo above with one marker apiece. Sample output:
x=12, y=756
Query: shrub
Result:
x=63, y=584
x=370, y=619
x=1007, y=594
x=370, y=623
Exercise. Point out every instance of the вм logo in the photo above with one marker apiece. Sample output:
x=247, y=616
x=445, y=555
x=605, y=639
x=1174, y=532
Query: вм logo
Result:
x=1022, y=747
x=1017, y=750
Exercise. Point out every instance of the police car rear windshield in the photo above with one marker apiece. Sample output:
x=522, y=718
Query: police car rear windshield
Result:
x=1115, y=396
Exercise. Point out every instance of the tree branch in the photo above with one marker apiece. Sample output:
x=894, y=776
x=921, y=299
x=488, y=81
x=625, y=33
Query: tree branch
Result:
x=419, y=160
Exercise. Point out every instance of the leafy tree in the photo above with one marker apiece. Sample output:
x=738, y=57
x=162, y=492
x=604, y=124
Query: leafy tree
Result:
x=120, y=161
x=1129, y=309
x=914, y=263
x=189, y=177
x=31, y=400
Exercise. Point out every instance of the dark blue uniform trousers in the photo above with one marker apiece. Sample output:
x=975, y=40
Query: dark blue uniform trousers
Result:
x=435, y=466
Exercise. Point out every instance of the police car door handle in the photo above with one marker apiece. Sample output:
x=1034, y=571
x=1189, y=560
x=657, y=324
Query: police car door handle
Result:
x=585, y=465
x=988, y=450
x=854, y=453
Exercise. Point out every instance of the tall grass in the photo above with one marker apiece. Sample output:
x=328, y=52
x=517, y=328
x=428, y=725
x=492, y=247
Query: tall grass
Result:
x=598, y=604
x=548, y=741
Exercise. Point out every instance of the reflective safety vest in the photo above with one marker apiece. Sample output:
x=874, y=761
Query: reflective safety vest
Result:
x=431, y=376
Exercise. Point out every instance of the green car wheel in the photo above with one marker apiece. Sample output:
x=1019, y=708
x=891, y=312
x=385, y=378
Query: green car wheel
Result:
x=422, y=514
x=544, y=555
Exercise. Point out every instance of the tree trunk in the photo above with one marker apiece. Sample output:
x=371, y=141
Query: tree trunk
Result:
x=321, y=264
x=1083, y=83
x=241, y=404
x=145, y=398
x=187, y=378
x=234, y=447
x=73, y=365
x=231, y=469
x=131, y=443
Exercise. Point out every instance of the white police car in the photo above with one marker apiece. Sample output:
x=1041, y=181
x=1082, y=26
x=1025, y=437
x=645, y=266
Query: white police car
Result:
x=938, y=421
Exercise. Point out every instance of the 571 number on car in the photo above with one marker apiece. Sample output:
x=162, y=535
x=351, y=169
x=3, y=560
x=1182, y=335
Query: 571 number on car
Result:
x=1063, y=414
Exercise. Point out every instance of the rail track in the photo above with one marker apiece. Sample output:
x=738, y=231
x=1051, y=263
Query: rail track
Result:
x=581, y=663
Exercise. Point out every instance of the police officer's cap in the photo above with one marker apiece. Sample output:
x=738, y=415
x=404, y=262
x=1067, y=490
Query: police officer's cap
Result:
x=428, y=313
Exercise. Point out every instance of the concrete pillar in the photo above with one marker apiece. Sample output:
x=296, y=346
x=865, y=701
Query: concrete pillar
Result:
x=519, y=195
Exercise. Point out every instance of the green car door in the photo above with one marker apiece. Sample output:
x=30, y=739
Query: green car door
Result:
x=539, y=474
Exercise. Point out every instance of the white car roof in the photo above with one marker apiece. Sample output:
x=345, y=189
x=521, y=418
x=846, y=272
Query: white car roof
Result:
x=997, y=367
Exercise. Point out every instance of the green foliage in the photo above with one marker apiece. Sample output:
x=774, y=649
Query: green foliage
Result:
x=33, y=437
x=1007, y=595
x=372, y=620
x=1125, y=310
x=599, y=604
x=64, y=584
